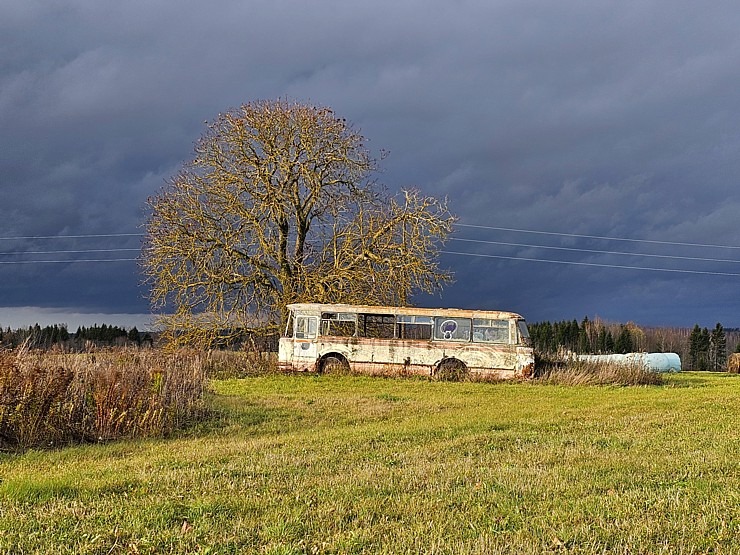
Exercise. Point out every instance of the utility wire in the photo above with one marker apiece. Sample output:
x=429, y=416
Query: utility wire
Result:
x=70, y=261
x=594, y=251
x=84, y=236
x=597, y=237
x=64, y=251
x=592, y=264
x=472, y=226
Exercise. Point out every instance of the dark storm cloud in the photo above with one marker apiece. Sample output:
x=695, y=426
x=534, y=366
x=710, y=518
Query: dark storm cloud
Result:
x=598, y=118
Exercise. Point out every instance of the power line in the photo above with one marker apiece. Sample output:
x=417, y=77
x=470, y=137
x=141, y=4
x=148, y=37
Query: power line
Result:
x=82, y=236
x=593, y=264
x=595, y=251
x=473, y=226
x=18, y=253
x=70, y=261
x=678, y=243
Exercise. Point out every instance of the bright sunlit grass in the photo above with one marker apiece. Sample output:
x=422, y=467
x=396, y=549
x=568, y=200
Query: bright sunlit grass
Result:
x=306, y=464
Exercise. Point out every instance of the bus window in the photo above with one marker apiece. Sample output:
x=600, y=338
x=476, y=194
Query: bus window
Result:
x=523, y=332
x=288, y=325
x=415, y=327
x=451, y=329
x=377, y=326
x=305, y=327
x=339, y=324
x=490, y=331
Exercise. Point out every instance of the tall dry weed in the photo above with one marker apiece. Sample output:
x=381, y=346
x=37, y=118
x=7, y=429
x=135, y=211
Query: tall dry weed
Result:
x=31, y=399
x=222, y=365
x=57, y=398
x=563, y=370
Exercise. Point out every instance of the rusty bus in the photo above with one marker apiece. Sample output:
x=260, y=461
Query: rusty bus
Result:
x=426, y=341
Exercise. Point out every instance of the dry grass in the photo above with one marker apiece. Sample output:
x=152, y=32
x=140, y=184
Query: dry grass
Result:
x=560, y=369
x=554, y=369
x=224, y=365
x=55, y=399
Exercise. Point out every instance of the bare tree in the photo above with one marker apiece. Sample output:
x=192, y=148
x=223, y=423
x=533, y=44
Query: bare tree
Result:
x=278, y=205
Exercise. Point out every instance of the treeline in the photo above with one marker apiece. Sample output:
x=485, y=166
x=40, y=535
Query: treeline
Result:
x=699, y=348
x=48, y=337
x=59, y=336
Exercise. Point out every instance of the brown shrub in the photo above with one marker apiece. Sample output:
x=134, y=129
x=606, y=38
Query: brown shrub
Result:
x=222, y=365
x=53, y=398
x=579, y=372
x=733, y=363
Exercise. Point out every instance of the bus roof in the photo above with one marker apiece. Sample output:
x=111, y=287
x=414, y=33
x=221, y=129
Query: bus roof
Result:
x=316, y=308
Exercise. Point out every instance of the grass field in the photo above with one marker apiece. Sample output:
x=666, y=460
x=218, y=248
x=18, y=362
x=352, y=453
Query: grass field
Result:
x=306, y=464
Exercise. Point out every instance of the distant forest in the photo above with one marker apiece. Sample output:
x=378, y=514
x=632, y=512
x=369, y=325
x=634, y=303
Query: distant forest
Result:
x=58, y=336
x=699, y=348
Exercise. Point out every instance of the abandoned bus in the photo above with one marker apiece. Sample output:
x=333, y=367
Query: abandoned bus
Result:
x=384, y=339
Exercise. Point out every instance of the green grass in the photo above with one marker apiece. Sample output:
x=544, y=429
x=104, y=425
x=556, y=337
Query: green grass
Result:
x=306, y=464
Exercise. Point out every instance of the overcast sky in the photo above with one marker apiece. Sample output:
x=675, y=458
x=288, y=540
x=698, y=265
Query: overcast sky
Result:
x=581, y=120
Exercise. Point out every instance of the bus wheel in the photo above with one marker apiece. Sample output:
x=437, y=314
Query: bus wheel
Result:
x=334, y=364
x=451, y=369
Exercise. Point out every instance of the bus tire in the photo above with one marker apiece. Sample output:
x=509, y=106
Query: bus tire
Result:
x=451, y=370
x=333, y=363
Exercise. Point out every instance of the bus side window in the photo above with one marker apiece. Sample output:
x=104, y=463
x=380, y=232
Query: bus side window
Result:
x=490, y=331
x=377, y=326
x=305, y=327
x=414, y=327
x=338, y=324
x=451, y=329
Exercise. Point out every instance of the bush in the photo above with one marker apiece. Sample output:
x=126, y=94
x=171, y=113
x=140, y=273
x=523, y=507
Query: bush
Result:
x=51, y=399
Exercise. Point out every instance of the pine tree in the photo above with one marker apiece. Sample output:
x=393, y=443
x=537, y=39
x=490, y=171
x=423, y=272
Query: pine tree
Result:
x=702, y=350
x=624, y=342
x=548, y=337
x=590, y=332
x=601, y=340
x=717, y=348
x=134, y=336
x=584, y=343
x=694, y=347
x=609, y=342
x=704, y=342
